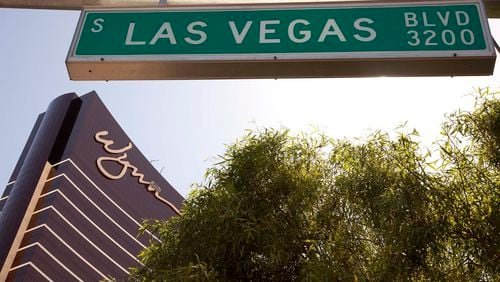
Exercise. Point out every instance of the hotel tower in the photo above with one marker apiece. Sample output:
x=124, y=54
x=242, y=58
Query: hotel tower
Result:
x=77, y=196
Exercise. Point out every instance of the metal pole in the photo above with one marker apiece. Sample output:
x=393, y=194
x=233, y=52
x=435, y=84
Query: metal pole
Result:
x=492, y=6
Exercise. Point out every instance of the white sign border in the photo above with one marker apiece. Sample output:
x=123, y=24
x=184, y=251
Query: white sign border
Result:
x=303, y=56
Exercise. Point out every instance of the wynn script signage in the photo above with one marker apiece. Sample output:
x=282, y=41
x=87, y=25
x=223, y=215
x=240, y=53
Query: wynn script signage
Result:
x=285, y=40
x=74, y=203
x=120, y=158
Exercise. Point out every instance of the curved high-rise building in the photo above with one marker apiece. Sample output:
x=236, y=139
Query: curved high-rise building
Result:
x=77, y=196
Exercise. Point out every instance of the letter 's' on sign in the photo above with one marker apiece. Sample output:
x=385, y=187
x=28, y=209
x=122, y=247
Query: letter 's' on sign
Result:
x=283, y=40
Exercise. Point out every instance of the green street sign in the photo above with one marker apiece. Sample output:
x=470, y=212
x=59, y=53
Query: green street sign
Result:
x=255, y=41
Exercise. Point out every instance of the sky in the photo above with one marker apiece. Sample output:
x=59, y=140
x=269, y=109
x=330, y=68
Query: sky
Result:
x=182, y=126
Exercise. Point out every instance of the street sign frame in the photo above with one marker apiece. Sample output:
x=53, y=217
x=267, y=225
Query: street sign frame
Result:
x=281, y=64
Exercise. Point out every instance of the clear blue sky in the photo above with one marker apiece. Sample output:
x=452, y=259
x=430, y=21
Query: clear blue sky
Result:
x=185, y=124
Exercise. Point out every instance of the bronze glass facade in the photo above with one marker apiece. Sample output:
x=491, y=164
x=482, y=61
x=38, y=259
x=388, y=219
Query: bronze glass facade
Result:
x=77, y=197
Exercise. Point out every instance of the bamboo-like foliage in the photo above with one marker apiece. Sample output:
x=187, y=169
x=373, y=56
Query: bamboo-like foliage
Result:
x=279, y=207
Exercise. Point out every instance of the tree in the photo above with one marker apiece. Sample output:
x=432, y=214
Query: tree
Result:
x=279, y=207
x=470, y=157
